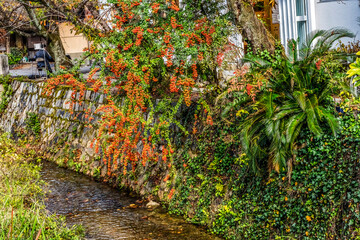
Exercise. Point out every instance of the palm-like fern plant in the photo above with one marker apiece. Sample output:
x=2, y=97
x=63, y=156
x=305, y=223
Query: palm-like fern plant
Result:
x=296, y=98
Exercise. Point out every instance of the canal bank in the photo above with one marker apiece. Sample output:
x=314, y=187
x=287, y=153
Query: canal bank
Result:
x=60, y=133
x=208, y=181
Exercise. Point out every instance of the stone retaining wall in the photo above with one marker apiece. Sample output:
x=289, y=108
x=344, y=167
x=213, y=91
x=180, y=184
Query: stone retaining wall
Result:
x=59, y=127
x=64, y=136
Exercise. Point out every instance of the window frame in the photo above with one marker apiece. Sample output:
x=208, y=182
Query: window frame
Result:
x=302, y=18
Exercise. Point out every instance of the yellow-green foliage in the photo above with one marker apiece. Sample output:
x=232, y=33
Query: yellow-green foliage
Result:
x=355, y=69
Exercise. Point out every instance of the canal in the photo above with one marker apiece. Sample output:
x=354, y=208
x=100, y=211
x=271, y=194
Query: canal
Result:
x=108, y=213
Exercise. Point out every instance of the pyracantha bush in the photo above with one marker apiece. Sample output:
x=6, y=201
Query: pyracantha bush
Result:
x=150, y=63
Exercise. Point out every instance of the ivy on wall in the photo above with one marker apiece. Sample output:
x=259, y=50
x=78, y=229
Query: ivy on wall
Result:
x=319, y=200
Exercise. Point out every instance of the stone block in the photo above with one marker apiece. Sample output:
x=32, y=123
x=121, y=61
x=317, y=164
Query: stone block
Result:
x=77, y=107
x=34, y=88
x=34, y=99
x=28, y=88
x=66, y=104
x=67, y=115
x=88, y=95
x=49, y=111
x=95, y=96
x=101, y=99
x=4, y=65
x=68, y=94
x=42, y=110
x=15, y=85
x=42, y=101
x=60, y=113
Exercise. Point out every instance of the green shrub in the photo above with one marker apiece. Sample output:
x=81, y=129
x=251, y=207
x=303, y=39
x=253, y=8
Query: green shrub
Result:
x=15, y=56
x=355, y=70
x=33, y=124
x=291, y=95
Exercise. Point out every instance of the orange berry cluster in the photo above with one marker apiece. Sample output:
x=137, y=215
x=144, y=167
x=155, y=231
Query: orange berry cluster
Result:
x=133, y=52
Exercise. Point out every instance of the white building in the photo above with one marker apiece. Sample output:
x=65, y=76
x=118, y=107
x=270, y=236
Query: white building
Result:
x=299, y=17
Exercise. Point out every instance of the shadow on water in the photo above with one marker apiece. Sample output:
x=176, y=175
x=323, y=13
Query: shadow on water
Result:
x=103, y=213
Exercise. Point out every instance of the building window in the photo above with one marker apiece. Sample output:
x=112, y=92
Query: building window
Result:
x=300, y=8
x=301, y=20
x=295, y=20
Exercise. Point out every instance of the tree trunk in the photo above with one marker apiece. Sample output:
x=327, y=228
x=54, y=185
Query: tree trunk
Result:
x=57, y=50
x=8, y=44
x=251, y=29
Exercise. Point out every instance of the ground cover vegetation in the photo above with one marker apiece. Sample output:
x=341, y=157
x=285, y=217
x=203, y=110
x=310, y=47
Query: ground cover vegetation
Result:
x=33, y=124
x=266, y=156
x=319, y=200
x=22, y=211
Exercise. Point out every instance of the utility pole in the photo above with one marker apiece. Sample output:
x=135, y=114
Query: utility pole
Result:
x=7, y=42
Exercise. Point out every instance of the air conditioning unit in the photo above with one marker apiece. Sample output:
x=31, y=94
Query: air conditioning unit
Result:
x=38, y=46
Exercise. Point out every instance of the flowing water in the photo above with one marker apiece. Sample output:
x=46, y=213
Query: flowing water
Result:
x=104, y=211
